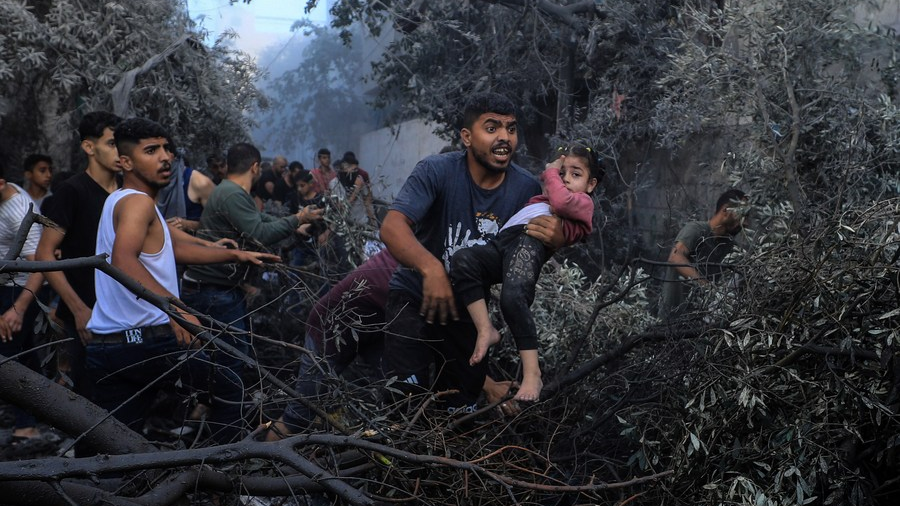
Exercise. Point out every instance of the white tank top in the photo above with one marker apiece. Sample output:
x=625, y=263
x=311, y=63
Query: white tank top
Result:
x=117, y=309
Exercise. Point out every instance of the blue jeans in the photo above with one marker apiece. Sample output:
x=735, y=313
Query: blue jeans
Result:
x=227, y=305
x=120, y=371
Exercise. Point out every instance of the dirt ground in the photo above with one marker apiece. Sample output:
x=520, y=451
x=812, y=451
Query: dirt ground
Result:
x=51, y=443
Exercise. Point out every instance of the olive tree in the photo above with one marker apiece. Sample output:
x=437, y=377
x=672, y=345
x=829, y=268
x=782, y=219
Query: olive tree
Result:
x=63, y=59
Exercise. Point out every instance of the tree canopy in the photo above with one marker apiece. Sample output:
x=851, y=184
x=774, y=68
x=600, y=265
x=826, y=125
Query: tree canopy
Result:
x=320, y=102
x=64, y=59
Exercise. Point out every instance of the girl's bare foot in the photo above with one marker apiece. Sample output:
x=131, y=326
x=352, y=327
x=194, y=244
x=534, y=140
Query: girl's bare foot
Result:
x=530, y=390
x=277, y=431
x=482, y=343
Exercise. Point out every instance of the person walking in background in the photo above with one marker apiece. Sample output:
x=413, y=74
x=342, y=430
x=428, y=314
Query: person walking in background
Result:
x=354, y=191
x=230, y=213
x=323, y=173
x=271, y=184
x=216, y=167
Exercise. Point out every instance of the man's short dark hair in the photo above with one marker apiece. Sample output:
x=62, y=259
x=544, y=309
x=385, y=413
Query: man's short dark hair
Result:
x=241, y=157
x=323, y=151
x=94, y=123
x=728, y=197
x=295, y=165
x=132, y=131
x=304, y=176
x=34, y=159
x=214, y=160
x=482, y=103
x=350, y=158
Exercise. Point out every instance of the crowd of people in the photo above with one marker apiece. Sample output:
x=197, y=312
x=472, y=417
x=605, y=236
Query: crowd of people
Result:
x=416, y=310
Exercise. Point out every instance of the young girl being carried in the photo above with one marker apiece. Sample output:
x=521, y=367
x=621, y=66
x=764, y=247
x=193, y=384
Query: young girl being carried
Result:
x=516, y=259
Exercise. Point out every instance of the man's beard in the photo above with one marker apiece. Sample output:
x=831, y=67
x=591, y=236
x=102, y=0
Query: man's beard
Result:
x=483, y=161
x=158, y=185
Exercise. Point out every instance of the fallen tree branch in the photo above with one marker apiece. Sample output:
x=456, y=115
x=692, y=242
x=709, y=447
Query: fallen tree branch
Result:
x=38, y=493
x=59, y=468
x=164, y=304
x=68, y=411
x=73, y=415
x=626, y=345
x=210, y=480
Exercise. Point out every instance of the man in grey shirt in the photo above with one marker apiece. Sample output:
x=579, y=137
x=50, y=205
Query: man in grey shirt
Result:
x=696, y=258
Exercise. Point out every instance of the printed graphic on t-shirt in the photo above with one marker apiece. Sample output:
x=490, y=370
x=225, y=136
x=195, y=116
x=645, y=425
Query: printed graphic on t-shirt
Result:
x=488, y=225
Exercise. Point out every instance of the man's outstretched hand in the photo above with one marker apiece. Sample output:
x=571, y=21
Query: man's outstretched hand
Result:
x=256, y=258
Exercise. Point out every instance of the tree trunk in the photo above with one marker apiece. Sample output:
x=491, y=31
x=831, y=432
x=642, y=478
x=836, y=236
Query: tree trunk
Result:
x=565, y=111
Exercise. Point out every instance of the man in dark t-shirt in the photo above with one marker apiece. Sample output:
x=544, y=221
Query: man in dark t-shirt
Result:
x=76, y=208
x=696, y=258
x=345, y=326
x=449, y=202
x=271, y=184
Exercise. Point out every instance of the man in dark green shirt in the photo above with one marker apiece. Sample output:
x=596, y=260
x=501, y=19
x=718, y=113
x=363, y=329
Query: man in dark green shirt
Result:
x=231, y=213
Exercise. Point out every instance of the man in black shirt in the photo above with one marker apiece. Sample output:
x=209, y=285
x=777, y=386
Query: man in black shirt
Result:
x=271, y=185
x=76, y=208
x=313, y=235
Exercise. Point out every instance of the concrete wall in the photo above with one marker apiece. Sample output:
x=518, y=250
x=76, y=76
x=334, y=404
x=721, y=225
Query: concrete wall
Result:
x=389, y=154
x=670, y=190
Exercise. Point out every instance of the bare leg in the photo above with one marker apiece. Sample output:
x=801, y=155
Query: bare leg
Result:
x=487, y=334
x=531, y=377
x=277, y=431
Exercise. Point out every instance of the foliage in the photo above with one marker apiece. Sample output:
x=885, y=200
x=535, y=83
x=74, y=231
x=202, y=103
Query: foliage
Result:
x=320, y=102
x=795, y=400
x=439, y=52
x=818, y=123
x=64, y=59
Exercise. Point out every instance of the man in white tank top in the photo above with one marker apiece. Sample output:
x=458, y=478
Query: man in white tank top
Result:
x=135, y=343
